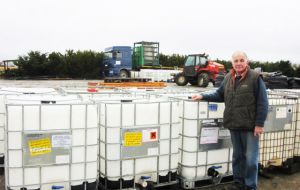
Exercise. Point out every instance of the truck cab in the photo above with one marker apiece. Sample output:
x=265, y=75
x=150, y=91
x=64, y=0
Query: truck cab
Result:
x=117, y=61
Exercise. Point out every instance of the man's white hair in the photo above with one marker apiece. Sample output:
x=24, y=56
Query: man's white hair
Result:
x=239, y=53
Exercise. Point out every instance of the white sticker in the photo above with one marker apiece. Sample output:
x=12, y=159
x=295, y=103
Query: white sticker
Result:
x=209, y=121
x=62, y=159
x=118, y=62
x=209, y=135
x=150, y=135
x=288, y=126
x=281, y=112
x=61, y=141
x=152, y=151
x=203, y=110
x=224, y=133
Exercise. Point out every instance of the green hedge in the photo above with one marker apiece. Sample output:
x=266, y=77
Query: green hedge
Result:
x=88, y=65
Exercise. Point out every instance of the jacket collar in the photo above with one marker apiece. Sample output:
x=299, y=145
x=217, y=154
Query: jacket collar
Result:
x=243, y=75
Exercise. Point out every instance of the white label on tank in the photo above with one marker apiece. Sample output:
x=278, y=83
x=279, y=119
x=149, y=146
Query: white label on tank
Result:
x=150, y=135
x=152, y=151
x=288, y=126
x=203, y=110
x=281, y=112
x=224, y=133
x=63, y=141
x=62, y=159
x=209, y=135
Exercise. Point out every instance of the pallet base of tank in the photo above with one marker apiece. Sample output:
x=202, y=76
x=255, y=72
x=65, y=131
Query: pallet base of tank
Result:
x=290, y=166
x=83, y=186
x=164, y=182
x=206, y=182
x=1, y=165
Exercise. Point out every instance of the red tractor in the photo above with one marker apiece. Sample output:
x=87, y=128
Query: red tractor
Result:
x=198, y=70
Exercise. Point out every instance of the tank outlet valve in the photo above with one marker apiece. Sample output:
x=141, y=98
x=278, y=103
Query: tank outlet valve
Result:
x=143, y=181
x=212, y=171
x=55, y=187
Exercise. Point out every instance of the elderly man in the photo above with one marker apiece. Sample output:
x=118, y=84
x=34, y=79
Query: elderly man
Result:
x=246, y=108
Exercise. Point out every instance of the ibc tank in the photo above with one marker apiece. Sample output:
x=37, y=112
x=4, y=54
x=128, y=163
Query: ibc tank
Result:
x=4, y=91
x=145, y=54
x=149, y=53
x=101, y=94
x=205, y=144
x=278, y=140
x=158, y=75
x=138, y=138
x=296, y=93
x=51, y=145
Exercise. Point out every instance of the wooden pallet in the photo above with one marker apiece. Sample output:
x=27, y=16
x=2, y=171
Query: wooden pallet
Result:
x=134, y=84
x=120, y=80
x=98, y=86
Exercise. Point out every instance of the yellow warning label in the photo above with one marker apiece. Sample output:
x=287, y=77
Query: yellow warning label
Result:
x=133, y=139
x=39, y=146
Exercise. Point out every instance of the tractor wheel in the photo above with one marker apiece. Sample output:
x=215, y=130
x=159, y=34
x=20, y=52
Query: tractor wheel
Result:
x=123, y=74
x=181, y=80
x=203, y=80
x=219, y=80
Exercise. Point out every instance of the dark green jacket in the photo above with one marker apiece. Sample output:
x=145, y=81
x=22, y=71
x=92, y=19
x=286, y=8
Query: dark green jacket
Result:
x=260, y=95
x=240, y=102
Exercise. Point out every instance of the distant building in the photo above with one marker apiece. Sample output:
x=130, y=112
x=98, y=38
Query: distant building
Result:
x=7, y=65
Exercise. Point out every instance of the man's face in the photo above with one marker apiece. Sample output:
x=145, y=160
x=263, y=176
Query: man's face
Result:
x=239, y=63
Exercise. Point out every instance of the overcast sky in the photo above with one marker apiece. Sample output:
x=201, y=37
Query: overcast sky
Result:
x=267, y=30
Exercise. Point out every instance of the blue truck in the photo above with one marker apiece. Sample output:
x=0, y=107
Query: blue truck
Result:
x=119, y=61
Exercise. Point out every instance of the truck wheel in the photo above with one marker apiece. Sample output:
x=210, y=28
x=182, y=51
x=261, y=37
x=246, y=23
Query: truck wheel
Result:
x=123, y=74
x=181, y=80
x=203, y=80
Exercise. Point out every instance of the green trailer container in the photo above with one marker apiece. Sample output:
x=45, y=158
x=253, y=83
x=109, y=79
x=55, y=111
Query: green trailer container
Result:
x=145, y=54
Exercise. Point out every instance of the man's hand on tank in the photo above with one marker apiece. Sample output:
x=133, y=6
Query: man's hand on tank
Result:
x=258, y=130
x=197, y=97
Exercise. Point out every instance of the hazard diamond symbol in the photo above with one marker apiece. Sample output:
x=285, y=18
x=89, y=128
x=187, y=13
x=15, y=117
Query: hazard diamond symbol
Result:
x=153, y=135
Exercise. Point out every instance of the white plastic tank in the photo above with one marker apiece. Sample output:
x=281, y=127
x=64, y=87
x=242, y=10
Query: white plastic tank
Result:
x=105, y=94
x=42, y=99
x=158, y=75
x=135, y=74
x=51, y=145
x=205, y=144
x=4, y=91
x=292, y=93
x=169, y=92
x=28, y=90
x=278, y=141
x=138, y=138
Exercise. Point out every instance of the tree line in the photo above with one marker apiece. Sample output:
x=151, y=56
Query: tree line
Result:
x=71, y=64
x=284, y=66
x=89, y=65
